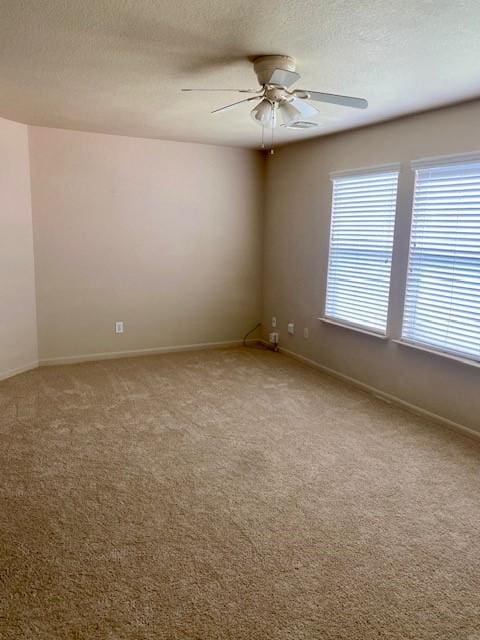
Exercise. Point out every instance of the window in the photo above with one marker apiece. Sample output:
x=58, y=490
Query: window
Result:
x=442, y=304
x=361, y=241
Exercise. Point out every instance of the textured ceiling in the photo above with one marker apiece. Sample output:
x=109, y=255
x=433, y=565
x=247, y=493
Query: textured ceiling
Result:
x=117, y=66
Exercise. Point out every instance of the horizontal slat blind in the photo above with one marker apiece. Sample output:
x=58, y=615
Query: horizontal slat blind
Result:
x=442, y=304
x=361, y=240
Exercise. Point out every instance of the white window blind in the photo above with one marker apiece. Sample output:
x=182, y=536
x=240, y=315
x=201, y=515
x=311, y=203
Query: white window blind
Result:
x=361, y=241
x=442, y=305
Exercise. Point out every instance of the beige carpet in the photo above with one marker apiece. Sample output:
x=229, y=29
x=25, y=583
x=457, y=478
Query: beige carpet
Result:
x=230, y=494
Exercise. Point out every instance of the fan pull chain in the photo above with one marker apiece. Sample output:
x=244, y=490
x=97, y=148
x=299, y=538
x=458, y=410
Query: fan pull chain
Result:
x=263, y=137
x=273, y=124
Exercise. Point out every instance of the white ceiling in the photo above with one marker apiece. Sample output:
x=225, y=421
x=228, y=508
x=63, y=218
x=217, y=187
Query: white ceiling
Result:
x=117, y=66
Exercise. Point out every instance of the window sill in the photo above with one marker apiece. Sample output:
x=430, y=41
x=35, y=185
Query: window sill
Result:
x=352, y=327
x=436, y=352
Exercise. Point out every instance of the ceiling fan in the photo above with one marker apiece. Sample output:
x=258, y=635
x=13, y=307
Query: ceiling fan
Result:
x=276, y=104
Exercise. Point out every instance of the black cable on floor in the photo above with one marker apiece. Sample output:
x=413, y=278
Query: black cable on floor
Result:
x=251, y=331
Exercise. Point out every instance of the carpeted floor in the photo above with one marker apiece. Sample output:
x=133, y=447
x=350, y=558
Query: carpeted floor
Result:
x=230, y=494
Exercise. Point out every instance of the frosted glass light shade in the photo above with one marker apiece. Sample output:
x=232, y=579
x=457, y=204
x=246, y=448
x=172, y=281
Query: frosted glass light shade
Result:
x=289, y=113
x=264, y=114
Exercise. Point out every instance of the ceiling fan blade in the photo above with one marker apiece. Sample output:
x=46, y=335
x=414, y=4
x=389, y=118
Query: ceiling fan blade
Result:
x=234, y=90
x=283, y=78
x=306, y=110
x=234, y=104
x=345, y=101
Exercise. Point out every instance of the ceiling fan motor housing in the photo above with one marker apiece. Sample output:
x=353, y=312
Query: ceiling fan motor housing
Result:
x=276, y=94
x=264, y=66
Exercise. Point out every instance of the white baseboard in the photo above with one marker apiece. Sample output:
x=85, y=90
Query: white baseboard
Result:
x=111, y=355
x=13, y=372
x=424, y=413
x=92, y=357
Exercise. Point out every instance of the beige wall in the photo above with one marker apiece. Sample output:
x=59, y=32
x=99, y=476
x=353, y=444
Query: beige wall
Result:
x=298, y=198
x=18, y=332
x=167, y=237
x=164, y=236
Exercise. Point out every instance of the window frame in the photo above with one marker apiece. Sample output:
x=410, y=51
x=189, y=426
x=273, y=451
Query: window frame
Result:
x=416, y=165
x=326, y=318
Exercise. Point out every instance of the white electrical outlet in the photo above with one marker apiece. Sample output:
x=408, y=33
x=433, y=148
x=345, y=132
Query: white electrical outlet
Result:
x=273, y=338
x=118, y=327
x=291, y=328
x=305, y=332
x=274, y=322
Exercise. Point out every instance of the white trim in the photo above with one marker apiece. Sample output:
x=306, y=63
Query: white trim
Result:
x=13, y=372
x=438, y=352
x=353, y=327
x=111, y=355
x=384, y=168
x=424, y=413
x=212, y=345
x=438, y=161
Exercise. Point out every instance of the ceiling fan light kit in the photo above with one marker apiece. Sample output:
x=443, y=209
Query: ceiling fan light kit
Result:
x=289, y=112
x=277, y=105
x=264, y=114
